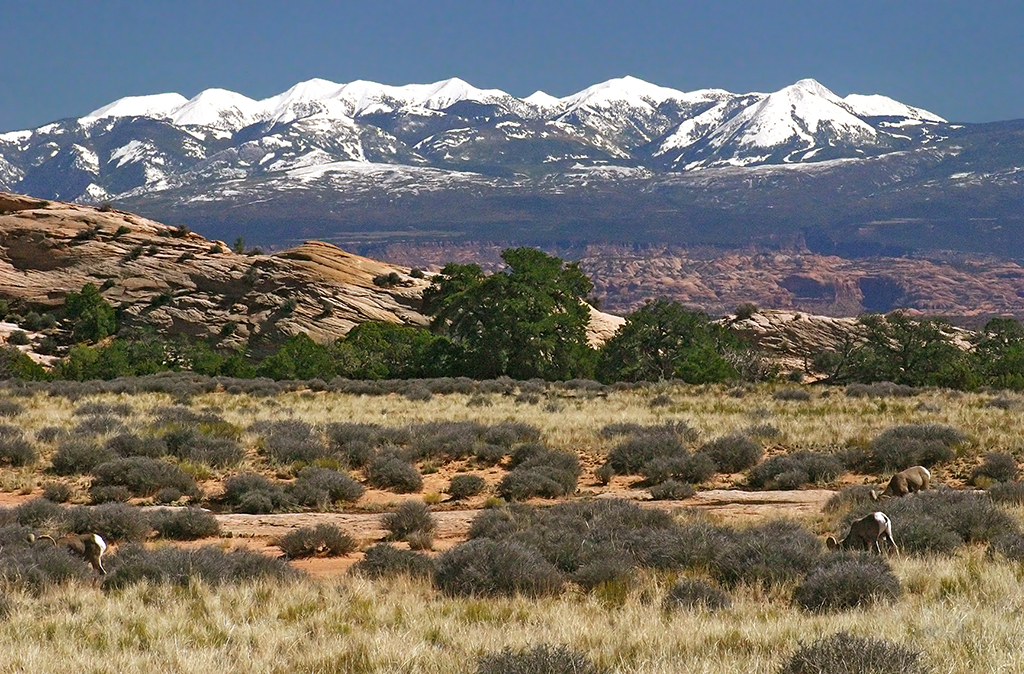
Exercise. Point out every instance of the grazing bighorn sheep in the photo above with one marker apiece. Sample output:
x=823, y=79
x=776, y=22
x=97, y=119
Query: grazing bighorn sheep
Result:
x=913, y=479
x=89, y=546
x=865, y=534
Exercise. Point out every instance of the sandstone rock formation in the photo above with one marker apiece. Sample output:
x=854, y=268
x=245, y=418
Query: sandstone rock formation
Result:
x=178, y=282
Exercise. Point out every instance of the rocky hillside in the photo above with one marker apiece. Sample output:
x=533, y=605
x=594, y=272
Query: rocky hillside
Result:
x=178, y=282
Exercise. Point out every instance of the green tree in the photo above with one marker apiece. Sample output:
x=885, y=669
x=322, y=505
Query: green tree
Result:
x=900, y=349
x=16, y=365
x=91, y=317
x=525, y=322
x=298, y=358
x=379, y=350
x=999, y=353
x=664, y=340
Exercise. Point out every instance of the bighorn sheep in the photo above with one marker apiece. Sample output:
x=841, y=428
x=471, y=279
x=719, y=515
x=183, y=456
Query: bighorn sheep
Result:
x=89, y=546
x=865, y=534
x=913, y=479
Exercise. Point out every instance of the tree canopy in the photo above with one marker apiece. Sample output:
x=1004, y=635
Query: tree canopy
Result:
x=528, y=321
x=664, y=340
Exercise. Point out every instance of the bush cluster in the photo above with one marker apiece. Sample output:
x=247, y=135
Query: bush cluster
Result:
x=843, y=653
x=672, y=490
x=645, y=444
x=538, y=471
x=486, y=567
x=291, y=441
x=385, y=561
x=540, y=659
x=388, y=471
x=689, y=593
x=143, y=476
x=323, y=540
x=997, y=467
x=177, y=566
x=184, y=524
x=844, y=580
x=733, y=453
x=78, y=456
x=792, y=471
x=254, y=494
x=15, y=450
x=465, y=485
x=909, y=445
x=412, y=518
x=323, y=487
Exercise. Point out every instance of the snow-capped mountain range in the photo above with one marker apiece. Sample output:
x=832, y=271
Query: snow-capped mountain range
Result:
x=337, y=144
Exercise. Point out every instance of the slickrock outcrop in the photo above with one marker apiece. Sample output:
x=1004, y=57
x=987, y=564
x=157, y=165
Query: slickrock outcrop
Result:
x=177, y=282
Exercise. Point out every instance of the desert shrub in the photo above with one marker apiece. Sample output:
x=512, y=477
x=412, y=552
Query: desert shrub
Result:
x=49, y=434
x=115, y=522
x=578, y=537
x=881, y=389
x=98, y=409
x=486, y=567
x=688, y=593
x=604, y=474
x=540, y=659
x=323, y=540
x=39, y=566
x=908, y=445
x=385, y=561
x=39, y=513
x=1009, y=546
x=465, y=485
x=445, y=440
x=631, y=455
x=409, y=518
x=321, y=487
x=109, y=494
x=130, y=444
x=10, y=408
x=254, y=494
x=688, y=468
x=1007, y=492
x=733, y=453
x=548, y=474
x=143, y=476
x=843, y=653
x=78, y=456
x=16, y=451
x=855, y=496
x=844, y=581
x=178, y=566
x=387, y=471
x=998, y=467
x=217, y=452
x=509, y=433
x=184, y=524
x=770, y=553
x=168, y=495
x=58, y=492
x=672, y=490
x=292, y=441
x=791, y=471
x=792, y=394
x=98, y=425
x=764, y=431
x=938, y=521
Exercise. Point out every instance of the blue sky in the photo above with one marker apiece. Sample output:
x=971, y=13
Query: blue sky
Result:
x=961, y=60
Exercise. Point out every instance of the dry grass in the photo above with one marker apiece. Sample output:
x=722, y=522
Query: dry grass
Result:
x=961, y=613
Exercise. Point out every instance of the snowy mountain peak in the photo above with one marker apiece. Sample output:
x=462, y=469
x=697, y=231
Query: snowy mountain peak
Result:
x=154, y=105
x=626, y=89
x=219, y=109
x=882, y=106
